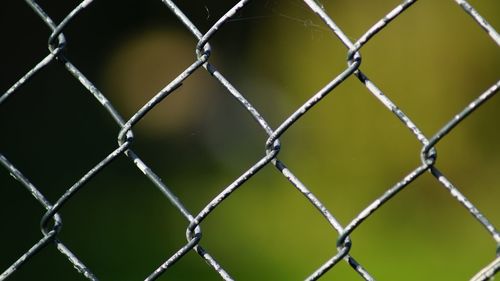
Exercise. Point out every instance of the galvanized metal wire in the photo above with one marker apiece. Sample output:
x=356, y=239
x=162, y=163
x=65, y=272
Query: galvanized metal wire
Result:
x=51, y=222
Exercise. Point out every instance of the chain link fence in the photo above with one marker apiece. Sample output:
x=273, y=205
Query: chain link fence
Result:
x=51, y=222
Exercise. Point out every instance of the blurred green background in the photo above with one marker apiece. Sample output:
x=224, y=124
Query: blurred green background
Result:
x=431, y=61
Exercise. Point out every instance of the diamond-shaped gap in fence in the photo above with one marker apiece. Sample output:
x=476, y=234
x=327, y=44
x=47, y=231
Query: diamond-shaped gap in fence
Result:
x=339, y=156
x=211, y=147
x=420, y=73
x=53, y=120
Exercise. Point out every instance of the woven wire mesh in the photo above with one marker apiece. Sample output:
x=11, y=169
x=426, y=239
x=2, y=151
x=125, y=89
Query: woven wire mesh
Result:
x=51, y=222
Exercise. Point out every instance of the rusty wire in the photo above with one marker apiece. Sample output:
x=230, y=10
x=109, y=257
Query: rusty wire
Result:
x=51, y=222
